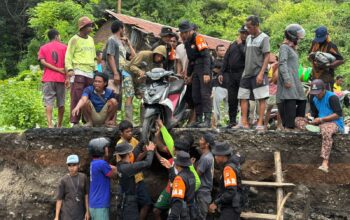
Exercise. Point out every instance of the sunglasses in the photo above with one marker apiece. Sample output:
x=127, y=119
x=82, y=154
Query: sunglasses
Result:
x=72, y=164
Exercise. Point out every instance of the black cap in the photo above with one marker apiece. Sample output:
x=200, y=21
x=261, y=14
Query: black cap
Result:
x=185, y=26
x=222, y=149
x=321, y=34
x=316, y=87
x=166, y=31
x=182, y=145
x=182, y=159
x=243, y=29
x=123, y=148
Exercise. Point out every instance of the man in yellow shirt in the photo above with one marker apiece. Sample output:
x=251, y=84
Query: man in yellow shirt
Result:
x=143, y=197
x=80, y=63
x=338, y=82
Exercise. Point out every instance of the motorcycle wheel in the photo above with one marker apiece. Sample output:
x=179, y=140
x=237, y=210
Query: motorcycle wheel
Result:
x=148, y=128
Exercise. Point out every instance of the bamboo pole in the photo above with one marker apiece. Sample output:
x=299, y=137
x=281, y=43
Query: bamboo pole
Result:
x=280, y=212
x=251, y=215
x=266, y=184
x=279, y=179
x=119, y=7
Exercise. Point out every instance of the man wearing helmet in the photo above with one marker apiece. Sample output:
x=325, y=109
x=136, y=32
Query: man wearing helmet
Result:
x=291, y=99
x=153, y=59
x=100, y=174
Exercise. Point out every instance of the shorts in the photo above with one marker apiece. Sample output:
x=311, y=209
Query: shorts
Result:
x=271, y=101
x=143, y=197
x=248, y=85
x=163, y=202
x=128, y=86
x=98, y=118
x=99, y=213
x=52, y=91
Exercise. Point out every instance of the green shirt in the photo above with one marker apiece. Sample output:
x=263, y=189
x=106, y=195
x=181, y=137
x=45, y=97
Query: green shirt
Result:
x=169, y=142
x=81, y=54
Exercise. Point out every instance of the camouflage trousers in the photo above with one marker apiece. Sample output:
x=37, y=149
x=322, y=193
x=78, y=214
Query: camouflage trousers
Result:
x=327, y=130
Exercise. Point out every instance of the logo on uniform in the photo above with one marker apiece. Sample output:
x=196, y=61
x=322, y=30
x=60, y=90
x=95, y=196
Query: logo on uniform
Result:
x=314, y=87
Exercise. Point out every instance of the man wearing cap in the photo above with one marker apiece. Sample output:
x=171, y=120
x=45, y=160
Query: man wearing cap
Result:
x=327, y=111
x=323, y=43
x=183, y=189
x=72, y=193
x=166, y=33
x=98, y=103
x=127, y=169
x=229, y=197
x=80, y=63
x=199, y=71
x=205, y=169
x=231, y=72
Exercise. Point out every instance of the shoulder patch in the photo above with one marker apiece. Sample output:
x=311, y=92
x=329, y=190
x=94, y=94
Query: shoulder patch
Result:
x=200, y=43
x=230, y=178
x=179, y=188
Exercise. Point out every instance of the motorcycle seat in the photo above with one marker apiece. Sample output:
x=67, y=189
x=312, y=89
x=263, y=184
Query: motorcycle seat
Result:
x=176, y=86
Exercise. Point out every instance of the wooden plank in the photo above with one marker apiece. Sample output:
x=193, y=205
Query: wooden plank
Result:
x=249, y=215
x=266, y=184
x=279, y=179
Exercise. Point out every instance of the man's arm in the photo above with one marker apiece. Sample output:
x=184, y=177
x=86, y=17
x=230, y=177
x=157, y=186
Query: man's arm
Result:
x=83, y=100
x=87, y=213
x=283, y=67
x=111, y=51
x=69, y=56
x=336, y=107
x=135, y=63
x=58, y=209
x=52, y=67
x=339, y=59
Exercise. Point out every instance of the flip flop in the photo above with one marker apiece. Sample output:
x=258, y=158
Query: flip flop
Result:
x=260, y=129
x=324, y=169
x=240, y=126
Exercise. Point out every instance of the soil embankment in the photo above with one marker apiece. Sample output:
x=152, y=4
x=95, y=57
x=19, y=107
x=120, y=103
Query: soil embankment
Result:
x=32, y=163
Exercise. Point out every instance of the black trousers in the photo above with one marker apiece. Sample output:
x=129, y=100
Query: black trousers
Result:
x=229, y=213
x=289, y=109
x=201, y=93
x=232, y=89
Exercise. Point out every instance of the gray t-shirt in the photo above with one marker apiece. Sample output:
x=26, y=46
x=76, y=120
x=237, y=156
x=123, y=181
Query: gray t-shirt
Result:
x=205, y=165
x=72, y=191
x=112, y=48
x=256, y=47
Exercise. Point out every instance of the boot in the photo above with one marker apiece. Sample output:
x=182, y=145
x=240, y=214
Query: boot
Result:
x=207, y=121
x=199, y=120
x=128, y=112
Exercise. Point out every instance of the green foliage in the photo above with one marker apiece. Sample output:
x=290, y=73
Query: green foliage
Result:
x=20, y=102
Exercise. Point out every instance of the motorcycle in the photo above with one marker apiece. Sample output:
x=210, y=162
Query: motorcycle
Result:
x=163, y=98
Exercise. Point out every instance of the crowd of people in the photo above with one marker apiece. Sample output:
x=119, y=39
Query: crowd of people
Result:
x=246, y=76
x=187, y=195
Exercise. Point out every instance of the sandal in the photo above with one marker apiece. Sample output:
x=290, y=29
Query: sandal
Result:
x=240, y=126
x=260, y=129
x=324, y=169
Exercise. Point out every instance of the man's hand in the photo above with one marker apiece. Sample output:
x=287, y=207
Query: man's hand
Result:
x=87, y=215
x=61, y=70
x=151, y=146
x=67, y=83
x=206, y=79
x=221, y=79
x=75, y=111
x=212, y=208
x=116, y=79
x=159, y=123
x=142, y=74
x=287, y=85
x=165, y=163
x=70, y=73
x=316, y=121
x=260, y=79
x=56, y=218
x=193, y=160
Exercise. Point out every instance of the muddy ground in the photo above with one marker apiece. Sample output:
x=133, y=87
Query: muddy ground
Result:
x=32, y=163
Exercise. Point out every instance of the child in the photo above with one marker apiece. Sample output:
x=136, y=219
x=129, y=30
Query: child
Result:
x=100, y=174
x=143, y=197
x=72, y=193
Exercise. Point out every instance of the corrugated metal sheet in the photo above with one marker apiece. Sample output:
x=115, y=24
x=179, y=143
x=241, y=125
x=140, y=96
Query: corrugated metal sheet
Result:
x=154, y=28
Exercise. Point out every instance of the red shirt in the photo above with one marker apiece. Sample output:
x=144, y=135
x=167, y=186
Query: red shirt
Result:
x=54, y=54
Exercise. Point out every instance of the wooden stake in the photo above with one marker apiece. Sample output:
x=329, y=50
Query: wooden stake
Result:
x=119, y=7
x=279, y=179
x=249, y=215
